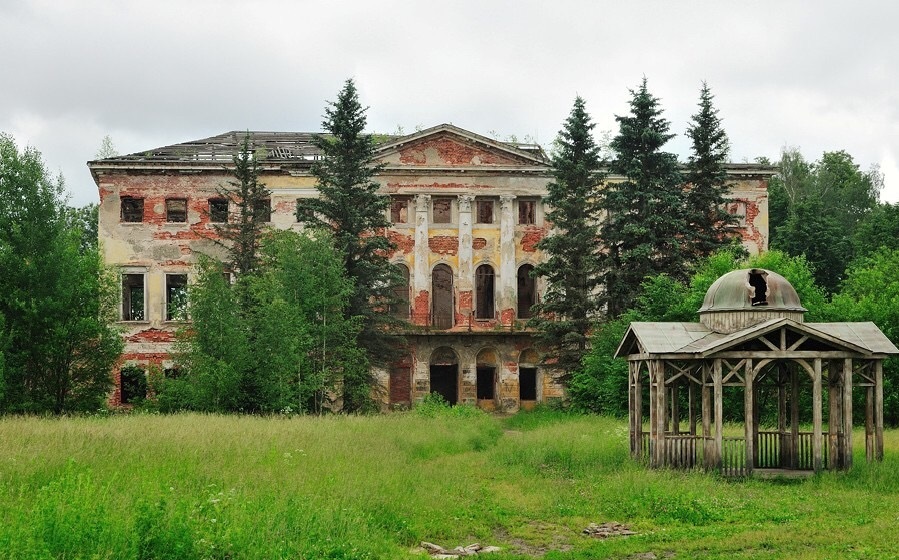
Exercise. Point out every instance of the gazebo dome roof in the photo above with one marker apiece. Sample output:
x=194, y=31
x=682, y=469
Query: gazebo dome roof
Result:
x=748, y=296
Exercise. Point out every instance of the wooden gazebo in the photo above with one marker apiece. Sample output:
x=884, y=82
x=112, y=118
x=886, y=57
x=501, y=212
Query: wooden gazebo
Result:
x=752, y=349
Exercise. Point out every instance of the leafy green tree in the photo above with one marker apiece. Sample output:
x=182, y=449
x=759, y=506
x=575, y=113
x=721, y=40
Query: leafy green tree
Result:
x=58, y=301
x=879, y=228
x=707, y=219
x=643, y=232
x=107, y=148
x=812, y=231
x=350, y=207
x=571, y=267
x=291, y=349
x=86, y=220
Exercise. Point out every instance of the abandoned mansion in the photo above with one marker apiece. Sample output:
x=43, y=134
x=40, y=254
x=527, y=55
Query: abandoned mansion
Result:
x=467, y=213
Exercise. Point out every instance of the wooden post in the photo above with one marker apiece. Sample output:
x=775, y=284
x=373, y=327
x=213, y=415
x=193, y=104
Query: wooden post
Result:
x=653, y=410
x=691, y=407
x=834, y=402
x=707, y=416
x=817, y=437
x=675, y=409
x=638, y=409
x=878, y=410
x=630, y=408
x=749, y=416
x=794, y=417
x=783, y=458
x=847, y=413
x=869, y=424
x=661, y=416
x=717, y=379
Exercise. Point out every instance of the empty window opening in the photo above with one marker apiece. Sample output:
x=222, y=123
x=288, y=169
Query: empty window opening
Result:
x=737, y=209
x=760, y=287
x=176, y=297
x=527, y=291
x=485, y=211
x=133, y=385
x=172, y=373
x=527, y=383
x=176, y=210
x=218, y=210
x=132, y=209
x=442, y=304
x=443, y=210
x=444, y=374
x=262, y=210
x=527, y=212
x=400, y=305
x=399, y=210
x=486, y=382
x=133, y=297
x=484, y=288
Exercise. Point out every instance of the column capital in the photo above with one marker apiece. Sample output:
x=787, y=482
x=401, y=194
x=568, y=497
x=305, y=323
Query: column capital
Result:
x=506, y=200
x=422, y=201
x=465, y=201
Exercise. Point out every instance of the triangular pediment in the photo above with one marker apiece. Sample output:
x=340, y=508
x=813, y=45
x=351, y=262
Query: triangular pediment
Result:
x=448, y=146
x=782, y=335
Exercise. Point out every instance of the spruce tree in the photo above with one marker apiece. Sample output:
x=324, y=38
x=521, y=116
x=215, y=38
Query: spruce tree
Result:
x=350, y=207
x=707, y=187
x=643, y=232
x=572, y=262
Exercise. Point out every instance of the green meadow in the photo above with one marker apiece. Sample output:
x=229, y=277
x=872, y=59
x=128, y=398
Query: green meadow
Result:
x=200, y=486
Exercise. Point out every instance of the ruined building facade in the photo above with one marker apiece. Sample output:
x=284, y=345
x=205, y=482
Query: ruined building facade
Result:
x=467, y=213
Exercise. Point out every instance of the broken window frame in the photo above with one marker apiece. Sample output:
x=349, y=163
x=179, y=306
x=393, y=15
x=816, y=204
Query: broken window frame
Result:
x=401, y=307
x=485, y=211
x=525, y=281
x=176, y=306
x=130, y=310
x=485, y=293
x=218, y=215
x=737, y=208
x=176, y=210
x=400, y=209
x=132, y=210
x=527, y=212
x=446, y=216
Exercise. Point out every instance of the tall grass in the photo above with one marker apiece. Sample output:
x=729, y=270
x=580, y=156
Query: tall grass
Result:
x=206, y=486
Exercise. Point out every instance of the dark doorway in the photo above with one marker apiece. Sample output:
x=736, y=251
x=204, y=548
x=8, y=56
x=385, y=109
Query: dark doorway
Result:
x=442, y=308
x=444, y=382
x=486, y=382
x=484, y=290
x=527, y=383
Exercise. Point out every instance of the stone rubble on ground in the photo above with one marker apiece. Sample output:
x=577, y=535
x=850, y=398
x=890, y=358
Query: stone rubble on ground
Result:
x=437, y=551
x=606, y=530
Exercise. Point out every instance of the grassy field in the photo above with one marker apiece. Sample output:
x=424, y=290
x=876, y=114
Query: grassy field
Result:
x=194, y=486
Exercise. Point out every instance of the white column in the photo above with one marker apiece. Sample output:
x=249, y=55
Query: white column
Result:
x=466, y=253
x=507, y=271
x=421, y=277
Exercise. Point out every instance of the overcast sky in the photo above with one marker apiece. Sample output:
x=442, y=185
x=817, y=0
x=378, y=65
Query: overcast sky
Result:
x=819, y=76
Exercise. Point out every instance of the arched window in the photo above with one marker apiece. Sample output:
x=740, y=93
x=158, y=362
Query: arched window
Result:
x=484, y=290
x=442, y=308
x=527, y=291
x=400, y=306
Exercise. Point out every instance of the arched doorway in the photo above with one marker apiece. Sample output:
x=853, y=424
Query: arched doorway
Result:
x=400, y=306
x=486, y=371
x=527, y=378
x=442, y=308
x=444, y=374
x=527, y=291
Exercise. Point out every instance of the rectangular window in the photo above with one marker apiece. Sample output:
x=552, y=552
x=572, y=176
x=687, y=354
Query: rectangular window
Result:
x=176, y=210
x=176, y=297
x=399, y=210
x=485, y=211
x=443, y=210
x=133, y=304
x=737, y=209
x=263, y=210
x=527, y=212
x=218, y=210
x=132, y=209
x=133, y=382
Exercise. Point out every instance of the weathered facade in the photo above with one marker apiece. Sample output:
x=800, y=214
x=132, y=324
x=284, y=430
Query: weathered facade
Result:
x=467, y=213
